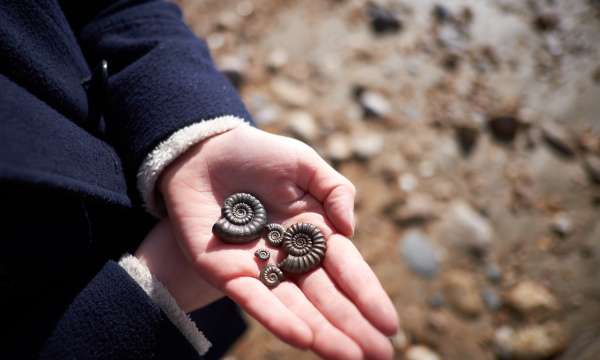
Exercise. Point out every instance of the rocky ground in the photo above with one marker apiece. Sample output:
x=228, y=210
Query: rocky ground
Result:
x=472, y=132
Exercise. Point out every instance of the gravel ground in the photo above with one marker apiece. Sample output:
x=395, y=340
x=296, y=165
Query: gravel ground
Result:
x=471, y=130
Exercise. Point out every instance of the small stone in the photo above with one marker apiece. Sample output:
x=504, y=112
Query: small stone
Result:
x=233, y=68
x=374, y=105
x=504, y=128
x=418, y=209
x=558, y=138
x=290, y=92
x=383, y=21
x=420, y=352
x=277, y=59
x=367, y=145
x=437, y=300
x=539, y=341
x=491, y=299
x=591, y=164
x=408, y=182
x=441, y=13
x=546, y=21
x=303, y=125
x=400, y=340
x=493, y=273
x=338, y=147
x=531, y=298
x=503, y=341
x=267, y=114
x=466, y=228
x=466, y=136
x=419, y=253
x=461, y=292
x=562, y=224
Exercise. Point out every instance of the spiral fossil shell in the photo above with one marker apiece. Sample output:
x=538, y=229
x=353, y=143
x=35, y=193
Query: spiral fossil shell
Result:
x=262, y=254
x=271, y=275
x=243, y=219
x=306, y=247
x=275, y=234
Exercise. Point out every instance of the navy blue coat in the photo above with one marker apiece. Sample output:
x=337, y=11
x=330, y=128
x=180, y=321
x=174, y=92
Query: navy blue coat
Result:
x=70, y=145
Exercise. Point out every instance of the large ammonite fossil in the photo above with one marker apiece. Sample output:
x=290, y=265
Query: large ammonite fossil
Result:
x=305, y=246
x=243, y=219
x=271, y=276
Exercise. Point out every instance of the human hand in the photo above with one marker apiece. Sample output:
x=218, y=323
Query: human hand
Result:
x=164, y=258
x=338, y=310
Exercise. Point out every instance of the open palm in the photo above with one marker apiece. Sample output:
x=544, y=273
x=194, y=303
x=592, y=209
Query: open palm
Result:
x=338, y=310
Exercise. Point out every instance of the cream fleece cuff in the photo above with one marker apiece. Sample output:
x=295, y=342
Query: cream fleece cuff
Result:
x=169, y=150
x=161, y=296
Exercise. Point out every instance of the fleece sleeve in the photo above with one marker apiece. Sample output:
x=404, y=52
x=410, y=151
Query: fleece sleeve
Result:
x=114, y=318
x=161, y=76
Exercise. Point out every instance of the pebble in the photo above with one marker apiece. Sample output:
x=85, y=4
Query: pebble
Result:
x=493, y=273
x=234, y=68
x=290, y=92
x=408, y=182
x=367, y=145
x=546, y=21
x=539, y=341
x=441, y=13
x=491, y=299
x=418, y=209
x=503, y=342
x=436, y=301
x=466, y=228
x=338, y=147
x=466, y=136
x=303, y=125
x=374, y=105
x=461, y=292
x=277, y=59
x=383, y=21
x=504, y=128
x=562, y=224
x=420, y=352
x=420, y=254
x=591, y=163
x=400, y=340
x=558, y=138
x=531, y=298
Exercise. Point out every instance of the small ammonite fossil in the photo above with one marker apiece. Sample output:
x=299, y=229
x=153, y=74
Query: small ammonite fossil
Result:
x=306, y=247
x=243, y=219
x=262, y=254
x=271, y=276
x=275, y=234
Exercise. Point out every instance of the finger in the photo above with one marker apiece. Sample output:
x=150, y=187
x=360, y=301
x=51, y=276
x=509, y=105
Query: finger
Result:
x=342, y=313
x=354, y=276
x=331, y=188
x=329, y=342
x=260, y=303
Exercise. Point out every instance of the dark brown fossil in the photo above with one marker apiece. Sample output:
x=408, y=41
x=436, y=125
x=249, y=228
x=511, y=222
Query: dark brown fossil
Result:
x=275, y=234
x=243, y=219
x=262, y=254
x=271, y=276
x=306, y=247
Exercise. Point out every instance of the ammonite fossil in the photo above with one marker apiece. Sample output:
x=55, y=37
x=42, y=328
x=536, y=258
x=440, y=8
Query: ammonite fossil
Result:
x=244, y=219
x=305, y=246
x=262, y=254
x=271, y=276
x=275, y=234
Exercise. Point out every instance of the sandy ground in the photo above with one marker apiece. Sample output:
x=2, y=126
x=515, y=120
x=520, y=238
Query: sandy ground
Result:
x=472, y=132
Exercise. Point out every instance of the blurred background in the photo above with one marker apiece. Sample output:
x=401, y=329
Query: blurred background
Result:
x=472, y=132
